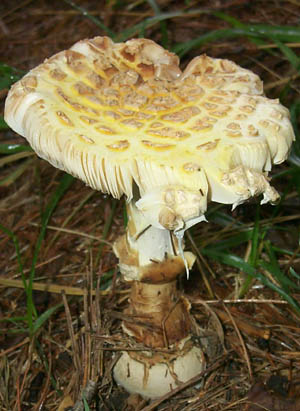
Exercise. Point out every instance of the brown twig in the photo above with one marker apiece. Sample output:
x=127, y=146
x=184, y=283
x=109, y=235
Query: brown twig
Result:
x=11, y=349
x=242, y=342
x=75, y=348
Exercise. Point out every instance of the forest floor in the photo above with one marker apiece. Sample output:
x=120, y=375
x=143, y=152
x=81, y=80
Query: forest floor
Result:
x=62, y=297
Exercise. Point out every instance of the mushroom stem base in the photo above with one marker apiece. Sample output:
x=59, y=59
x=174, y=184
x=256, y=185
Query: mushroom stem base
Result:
x=153, y=374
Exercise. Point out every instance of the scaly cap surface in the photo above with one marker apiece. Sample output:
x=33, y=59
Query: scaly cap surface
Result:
x=116, y=113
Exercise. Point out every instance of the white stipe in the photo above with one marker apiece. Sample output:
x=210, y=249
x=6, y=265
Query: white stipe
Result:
x=179, y=235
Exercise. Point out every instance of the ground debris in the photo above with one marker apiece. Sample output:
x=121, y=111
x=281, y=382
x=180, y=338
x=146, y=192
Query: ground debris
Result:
x=271, y=396
x=256, y=337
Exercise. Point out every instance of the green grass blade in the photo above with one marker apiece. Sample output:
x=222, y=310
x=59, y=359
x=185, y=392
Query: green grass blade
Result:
x=236, y=240
x=273, y=268
x=163, y=25
x=223, y=219
x=281, y=33
x=182, y=49
x=294, y=157
x=70, y=216
x=294, y=274
x=64, y=184
x=284, y=281
x=296, y=180
x=151, y=21
x=106, y=229
x=9, y=75
x=86, y=405
x=287, y=34
x=284, y=251
x=12, y=319
x=95, y=20
x=255, y=238
x=44, y=317
x=14, y=148
x=15, y=240
x=238, y=262
x=229, y=19
x=3, y=125
x=106, y=279
x=288, y=52
x=230, y=259
x=18, y=328
x=255, y=32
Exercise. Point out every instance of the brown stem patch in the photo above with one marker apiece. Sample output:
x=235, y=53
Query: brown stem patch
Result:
x=161, y=314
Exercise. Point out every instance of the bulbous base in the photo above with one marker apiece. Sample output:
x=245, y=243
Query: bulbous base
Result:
x=153, y=374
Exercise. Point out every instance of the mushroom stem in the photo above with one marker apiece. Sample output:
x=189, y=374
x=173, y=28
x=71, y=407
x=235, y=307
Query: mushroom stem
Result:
x=158, y=315
x=147, y=253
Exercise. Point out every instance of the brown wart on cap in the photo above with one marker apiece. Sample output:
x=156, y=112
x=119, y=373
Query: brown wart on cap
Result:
x=117, y=115
x=228, y=124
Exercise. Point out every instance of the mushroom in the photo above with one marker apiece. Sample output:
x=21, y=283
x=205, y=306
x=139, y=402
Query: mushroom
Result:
x=125, y=119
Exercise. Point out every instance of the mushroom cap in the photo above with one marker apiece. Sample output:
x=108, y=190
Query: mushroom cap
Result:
x=113, y=114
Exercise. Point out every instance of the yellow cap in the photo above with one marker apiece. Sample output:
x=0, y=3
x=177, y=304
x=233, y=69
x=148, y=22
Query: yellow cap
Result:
x=113, y=114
